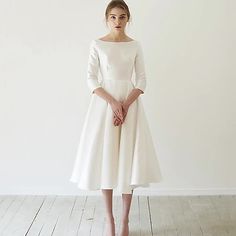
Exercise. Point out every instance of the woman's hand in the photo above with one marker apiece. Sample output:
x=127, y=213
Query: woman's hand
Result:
x=117, y=110
x=116, y=120
x=125, y=108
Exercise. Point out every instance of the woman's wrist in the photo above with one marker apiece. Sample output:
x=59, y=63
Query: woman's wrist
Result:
x=126, y=104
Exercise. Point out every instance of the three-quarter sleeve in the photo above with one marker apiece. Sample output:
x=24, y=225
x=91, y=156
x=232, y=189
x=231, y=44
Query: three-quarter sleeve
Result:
x=93, y=68
x=140, y=75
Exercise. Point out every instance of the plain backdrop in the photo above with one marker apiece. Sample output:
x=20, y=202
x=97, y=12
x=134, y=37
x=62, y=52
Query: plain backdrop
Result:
x=189, y=51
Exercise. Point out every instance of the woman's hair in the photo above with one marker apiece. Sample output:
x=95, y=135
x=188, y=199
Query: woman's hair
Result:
x=117, y=3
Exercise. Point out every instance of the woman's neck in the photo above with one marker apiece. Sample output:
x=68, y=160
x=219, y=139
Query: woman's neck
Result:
x=117, y=36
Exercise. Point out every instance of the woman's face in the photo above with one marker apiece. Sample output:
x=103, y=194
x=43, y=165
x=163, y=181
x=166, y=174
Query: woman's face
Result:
x=117, y=19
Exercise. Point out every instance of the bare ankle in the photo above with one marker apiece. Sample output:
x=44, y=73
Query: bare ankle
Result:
x=110, y=219
x=125, y=220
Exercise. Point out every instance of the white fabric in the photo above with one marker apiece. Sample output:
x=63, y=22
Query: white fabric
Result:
x=115, y=157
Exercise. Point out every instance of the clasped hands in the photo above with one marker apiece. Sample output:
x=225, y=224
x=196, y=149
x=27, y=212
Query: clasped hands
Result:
x=120, y=110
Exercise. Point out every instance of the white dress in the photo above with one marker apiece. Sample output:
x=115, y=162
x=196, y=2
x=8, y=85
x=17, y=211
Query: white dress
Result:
x=108, y=156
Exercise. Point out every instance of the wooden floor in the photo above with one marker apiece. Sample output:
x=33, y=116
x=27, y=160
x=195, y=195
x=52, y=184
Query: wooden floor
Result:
x=83, y=216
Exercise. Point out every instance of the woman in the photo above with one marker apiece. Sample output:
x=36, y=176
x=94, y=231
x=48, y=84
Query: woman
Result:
x=116, y=148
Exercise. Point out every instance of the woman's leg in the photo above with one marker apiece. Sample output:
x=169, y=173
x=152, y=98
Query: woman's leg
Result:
x=127, y=198
x=108, y=194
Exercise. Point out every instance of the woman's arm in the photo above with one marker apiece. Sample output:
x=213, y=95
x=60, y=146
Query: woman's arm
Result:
x=95, y=86
x=140, y=77
x=140, y=85
x=125, y=105
x=115, y=105
x=132, y=96
x=101, y=92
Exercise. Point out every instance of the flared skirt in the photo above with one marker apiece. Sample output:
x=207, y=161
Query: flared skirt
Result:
x=115, y=157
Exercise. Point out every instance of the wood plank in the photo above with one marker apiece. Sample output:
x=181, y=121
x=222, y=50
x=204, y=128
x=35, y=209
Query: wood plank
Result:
x=87, y=217
x=222, y=206
x=10, y=212
x=98, y=226
x=134, y=217
x=42, y=215
x=76, y=215
x=144, y=215
x=53, y=217
x=23, y=217
x=6, y=202
x=190, y=222
x=178, y=221
x=155, y=207
x=66, y=206
x=169, y=206
x=161, y=216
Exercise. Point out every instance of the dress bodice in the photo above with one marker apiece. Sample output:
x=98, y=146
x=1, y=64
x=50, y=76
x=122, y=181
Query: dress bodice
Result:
x=116, y=61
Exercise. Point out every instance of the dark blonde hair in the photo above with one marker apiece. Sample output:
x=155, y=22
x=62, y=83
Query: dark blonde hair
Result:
x=117, y=3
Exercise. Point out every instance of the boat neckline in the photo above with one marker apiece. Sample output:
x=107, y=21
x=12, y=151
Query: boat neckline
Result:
x=116, y=41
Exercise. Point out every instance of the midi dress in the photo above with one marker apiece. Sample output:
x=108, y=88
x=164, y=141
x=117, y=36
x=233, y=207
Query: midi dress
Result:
x=115, y=157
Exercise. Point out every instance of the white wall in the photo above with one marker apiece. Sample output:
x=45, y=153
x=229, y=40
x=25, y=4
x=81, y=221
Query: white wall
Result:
x=190, y=96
